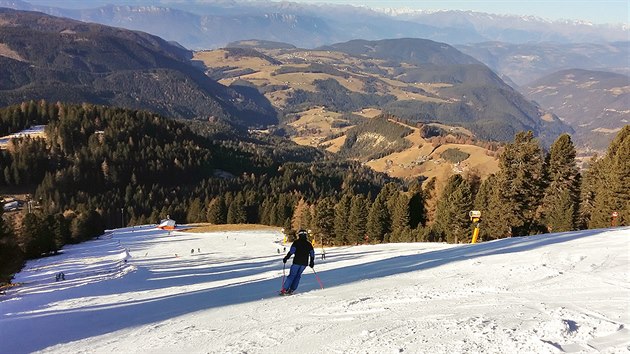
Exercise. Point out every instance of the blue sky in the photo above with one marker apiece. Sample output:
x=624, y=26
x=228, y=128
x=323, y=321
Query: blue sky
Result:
x=596, y=11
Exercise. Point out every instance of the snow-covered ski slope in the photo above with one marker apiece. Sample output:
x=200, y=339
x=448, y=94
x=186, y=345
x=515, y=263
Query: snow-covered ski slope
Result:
x=566, y=292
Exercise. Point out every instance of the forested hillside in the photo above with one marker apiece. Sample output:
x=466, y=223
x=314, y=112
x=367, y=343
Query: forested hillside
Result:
x=417, y=80
x=102, y=167
x=58, y=59
x=596, y=103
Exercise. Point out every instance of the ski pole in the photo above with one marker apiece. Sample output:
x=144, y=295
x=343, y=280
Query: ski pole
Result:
x=284, y=265
x=316, y=277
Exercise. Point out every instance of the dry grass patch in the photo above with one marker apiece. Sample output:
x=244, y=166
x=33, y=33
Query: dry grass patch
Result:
x=421, y=160
x=369, y=112
x=5, y=51
x=336, y=144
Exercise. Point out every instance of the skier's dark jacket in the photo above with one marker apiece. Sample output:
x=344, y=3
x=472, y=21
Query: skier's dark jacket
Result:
x=302, y=250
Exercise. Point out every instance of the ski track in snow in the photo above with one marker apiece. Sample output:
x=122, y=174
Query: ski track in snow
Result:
x=142, y=290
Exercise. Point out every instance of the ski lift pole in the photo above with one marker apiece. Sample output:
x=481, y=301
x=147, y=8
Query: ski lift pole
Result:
x=317, y=277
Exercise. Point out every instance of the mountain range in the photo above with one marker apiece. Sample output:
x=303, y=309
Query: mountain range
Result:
x=58, y=59
x=524, y=63
x=182, y=92
x=416, y=80
x=214, y=23
x=595, y=103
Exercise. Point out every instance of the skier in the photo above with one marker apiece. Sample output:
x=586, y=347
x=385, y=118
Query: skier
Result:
x=303, y=250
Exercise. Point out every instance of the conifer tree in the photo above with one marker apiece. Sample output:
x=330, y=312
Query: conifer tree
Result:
x=561, y=200
x=400, y=218
x=613, y=175
x=306, y=221
x=265, y=211
x=430, y=199
x=417, y=207
x=195, y=211
x=494, y=224
x=379, y=219
x=298, y=214
x=342, y=217
x=520, y=183
x=61, y=230
x=357, y=228
x=36, y=237
x=11, y=256
x=324, y=220
x=236, y=211
x=217, y=211
x=451, y=216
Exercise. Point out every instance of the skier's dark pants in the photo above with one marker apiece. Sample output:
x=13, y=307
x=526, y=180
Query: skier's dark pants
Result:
x=293, y=280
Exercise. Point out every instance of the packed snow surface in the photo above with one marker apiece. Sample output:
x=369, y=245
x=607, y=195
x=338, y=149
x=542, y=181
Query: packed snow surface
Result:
x=145, y=290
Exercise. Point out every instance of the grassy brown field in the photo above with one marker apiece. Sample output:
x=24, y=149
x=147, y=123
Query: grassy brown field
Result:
x=314, y=127
x=423, y=159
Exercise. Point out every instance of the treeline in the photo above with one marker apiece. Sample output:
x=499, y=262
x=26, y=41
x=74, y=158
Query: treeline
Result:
x=108, y=167
x=331, y=94
x=118, y=165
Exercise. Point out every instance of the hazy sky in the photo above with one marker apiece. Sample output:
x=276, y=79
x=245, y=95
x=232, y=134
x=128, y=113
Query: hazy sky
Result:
x=596, y=11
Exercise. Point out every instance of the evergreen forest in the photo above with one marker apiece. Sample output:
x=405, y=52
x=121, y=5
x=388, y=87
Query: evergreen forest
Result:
x=102, y=167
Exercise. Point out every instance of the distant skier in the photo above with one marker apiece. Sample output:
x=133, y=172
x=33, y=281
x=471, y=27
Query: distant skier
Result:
x=303, y=250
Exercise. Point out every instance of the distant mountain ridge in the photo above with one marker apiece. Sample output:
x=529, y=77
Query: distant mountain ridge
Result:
x=45, y=57
x=596, y=103
x=213, y=24
x=409, y=50
x=526, y=62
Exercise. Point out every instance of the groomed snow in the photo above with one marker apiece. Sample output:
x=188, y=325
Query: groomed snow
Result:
x=143, y=290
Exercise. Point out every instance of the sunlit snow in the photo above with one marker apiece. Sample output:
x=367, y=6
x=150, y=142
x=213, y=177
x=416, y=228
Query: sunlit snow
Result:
x=143, y=290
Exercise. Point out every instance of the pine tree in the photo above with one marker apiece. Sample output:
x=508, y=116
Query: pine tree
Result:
x=217, y=211
x=11, y=257
x=561, y=200
x=236, y=211
x=494, y=224
x=613, y=175
x=590, y=184
x=195, y=211
x=521, y=182
x=379, y=219
x=357, y=220
x=36, y=238
x=400, y=218
x=342, y=216
x=61, y=230
x=417, y=207
x=451, y=216
x=306, y=221
x=430, y=199
x=298, y=214
x=324, y=220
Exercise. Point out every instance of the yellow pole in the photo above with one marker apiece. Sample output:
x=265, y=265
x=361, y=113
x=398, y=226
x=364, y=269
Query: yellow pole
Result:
x=475, y=234
x=475, y=216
